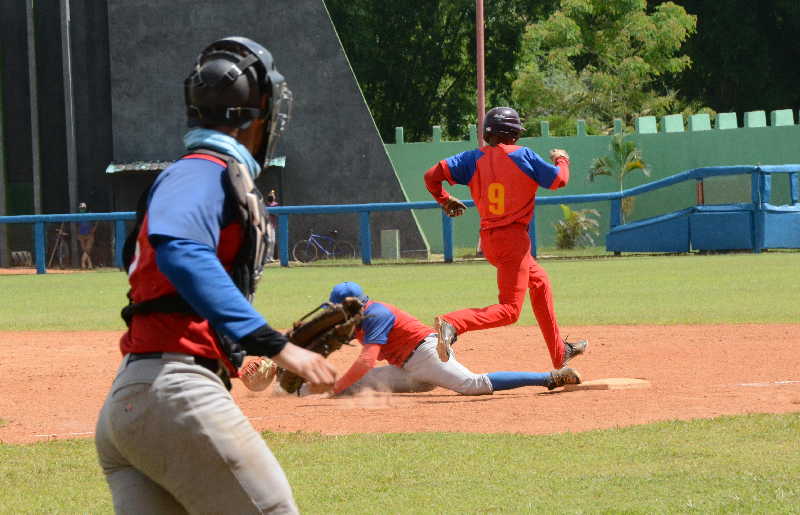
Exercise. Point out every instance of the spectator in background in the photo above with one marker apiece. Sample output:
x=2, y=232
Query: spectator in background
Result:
x=86, y=231
x=271, y=200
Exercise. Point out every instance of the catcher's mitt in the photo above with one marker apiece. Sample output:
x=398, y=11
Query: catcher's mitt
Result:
x=454, y=207
x=325, y=332
x=257, y=374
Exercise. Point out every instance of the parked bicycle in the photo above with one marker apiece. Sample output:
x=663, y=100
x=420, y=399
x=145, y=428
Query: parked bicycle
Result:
x=319, y=246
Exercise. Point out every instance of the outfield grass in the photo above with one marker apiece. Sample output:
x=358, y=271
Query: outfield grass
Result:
x=736, y=288
x=746, y=464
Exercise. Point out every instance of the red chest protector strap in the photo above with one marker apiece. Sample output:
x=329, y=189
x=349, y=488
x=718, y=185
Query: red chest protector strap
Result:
x=248, y=264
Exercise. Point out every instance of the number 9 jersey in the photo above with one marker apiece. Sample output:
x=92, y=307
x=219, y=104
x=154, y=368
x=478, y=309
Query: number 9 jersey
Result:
x=502, y=179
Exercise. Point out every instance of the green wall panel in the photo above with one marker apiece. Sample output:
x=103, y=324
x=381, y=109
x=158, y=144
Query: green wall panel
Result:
x=666, y=154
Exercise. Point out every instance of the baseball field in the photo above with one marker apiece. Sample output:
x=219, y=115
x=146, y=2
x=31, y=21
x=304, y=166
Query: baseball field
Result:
x=716, y=431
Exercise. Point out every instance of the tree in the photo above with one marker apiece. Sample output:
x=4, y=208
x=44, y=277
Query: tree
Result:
x=625, y=158
x=415, y=61
x=601, y=59
x=742, y=57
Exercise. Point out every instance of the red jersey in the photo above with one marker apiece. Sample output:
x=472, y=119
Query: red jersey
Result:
x=388, y=333
x=397, y=332
x=502, y=179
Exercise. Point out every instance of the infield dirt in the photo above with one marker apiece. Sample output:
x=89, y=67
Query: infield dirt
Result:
x=53, y=384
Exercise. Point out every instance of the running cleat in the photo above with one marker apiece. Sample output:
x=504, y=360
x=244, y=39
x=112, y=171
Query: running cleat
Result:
x=563, y=376
x=572, y=349
x=447, y=337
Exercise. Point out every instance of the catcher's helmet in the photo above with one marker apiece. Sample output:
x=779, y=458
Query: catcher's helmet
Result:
x=228, y=86
x=502, y=120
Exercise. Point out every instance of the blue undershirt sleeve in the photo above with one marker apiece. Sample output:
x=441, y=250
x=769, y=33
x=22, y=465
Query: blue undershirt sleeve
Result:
x=195, y=271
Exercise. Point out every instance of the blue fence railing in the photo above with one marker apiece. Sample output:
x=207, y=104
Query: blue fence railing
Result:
x=761, y=177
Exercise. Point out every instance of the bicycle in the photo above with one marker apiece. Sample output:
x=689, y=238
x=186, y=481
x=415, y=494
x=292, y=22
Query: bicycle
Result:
x=318, y=246
x=60, y=247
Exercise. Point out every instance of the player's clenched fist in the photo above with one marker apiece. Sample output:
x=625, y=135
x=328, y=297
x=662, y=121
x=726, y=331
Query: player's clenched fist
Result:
x=454, y=207
x=318, y=371
x=556, y=153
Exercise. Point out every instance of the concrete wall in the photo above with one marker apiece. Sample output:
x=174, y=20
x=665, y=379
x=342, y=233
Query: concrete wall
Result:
x=334, y=154
x=667, y=153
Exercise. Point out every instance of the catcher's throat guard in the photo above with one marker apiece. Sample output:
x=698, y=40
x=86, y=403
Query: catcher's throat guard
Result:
x=324, y=330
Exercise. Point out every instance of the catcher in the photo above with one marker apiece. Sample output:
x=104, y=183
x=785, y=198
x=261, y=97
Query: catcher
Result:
x=170, y=437
x=391, y=334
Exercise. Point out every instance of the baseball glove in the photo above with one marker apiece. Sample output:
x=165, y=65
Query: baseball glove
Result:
x=258, y=374
x=454, y=207
x=330, y=327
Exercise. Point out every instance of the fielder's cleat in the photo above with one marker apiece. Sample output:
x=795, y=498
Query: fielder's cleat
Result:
x=447, y=337
x=563, y=376
x=572, y=349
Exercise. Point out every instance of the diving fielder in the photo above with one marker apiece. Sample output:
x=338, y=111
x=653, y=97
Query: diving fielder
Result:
x=389, y=333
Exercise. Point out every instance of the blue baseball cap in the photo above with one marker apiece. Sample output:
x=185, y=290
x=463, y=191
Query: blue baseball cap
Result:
x=347, y=289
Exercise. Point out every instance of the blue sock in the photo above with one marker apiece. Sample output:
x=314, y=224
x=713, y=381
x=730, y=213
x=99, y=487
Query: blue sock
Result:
x=509, y=380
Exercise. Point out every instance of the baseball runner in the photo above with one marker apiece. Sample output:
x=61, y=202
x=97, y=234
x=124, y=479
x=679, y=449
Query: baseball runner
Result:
x=503, y=178
x=170, y=437
x=387, y=332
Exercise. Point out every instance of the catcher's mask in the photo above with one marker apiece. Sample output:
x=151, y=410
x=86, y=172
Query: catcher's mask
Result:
x=235, y=83
x=503, y=120
x=347, y=289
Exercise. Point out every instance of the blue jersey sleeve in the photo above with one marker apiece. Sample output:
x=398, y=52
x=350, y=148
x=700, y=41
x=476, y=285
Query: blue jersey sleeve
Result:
x=197, y=274
x=462, y=166
x=187, y=201
x=378, y=322
x=534, y=166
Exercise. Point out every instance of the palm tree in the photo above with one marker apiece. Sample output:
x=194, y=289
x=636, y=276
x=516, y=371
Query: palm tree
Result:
x=625, y=157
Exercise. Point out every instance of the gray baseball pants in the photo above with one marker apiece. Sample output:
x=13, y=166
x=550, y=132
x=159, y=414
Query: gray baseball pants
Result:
x=422, y=373
x=171, y=439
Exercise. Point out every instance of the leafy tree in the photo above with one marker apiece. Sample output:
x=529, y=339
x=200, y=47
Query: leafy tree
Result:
x=601, y=59
x=743, y=58
x=625, y=158
x=415, y=61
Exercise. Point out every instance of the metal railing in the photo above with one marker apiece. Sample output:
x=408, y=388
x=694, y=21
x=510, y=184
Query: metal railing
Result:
x=761, y=191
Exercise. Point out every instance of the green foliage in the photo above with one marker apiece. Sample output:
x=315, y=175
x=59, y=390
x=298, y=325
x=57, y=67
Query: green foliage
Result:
x=742, y=464
x=624, y=158
x=737, y=45
x=577, y=228
x=415, y=61
x=599, y=60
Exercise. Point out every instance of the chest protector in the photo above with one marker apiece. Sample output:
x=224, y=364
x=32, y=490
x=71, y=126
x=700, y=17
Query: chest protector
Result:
x=248, y=265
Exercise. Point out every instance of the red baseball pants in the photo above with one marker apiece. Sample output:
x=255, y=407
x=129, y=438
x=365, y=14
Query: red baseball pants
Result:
x=508, y=249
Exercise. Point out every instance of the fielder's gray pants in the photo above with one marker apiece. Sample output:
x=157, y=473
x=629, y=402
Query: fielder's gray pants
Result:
x=422, y=373
x=171, y=439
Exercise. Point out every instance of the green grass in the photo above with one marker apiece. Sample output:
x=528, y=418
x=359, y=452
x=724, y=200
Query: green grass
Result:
x=745, y=464
x=692, y=289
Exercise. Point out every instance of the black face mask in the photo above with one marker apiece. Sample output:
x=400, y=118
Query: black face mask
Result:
x=281, y=112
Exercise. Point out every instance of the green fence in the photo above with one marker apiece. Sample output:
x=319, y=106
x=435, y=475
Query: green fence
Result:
x=670, y=145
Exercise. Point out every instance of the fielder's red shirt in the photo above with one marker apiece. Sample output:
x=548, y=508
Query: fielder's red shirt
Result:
x=387, y=332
